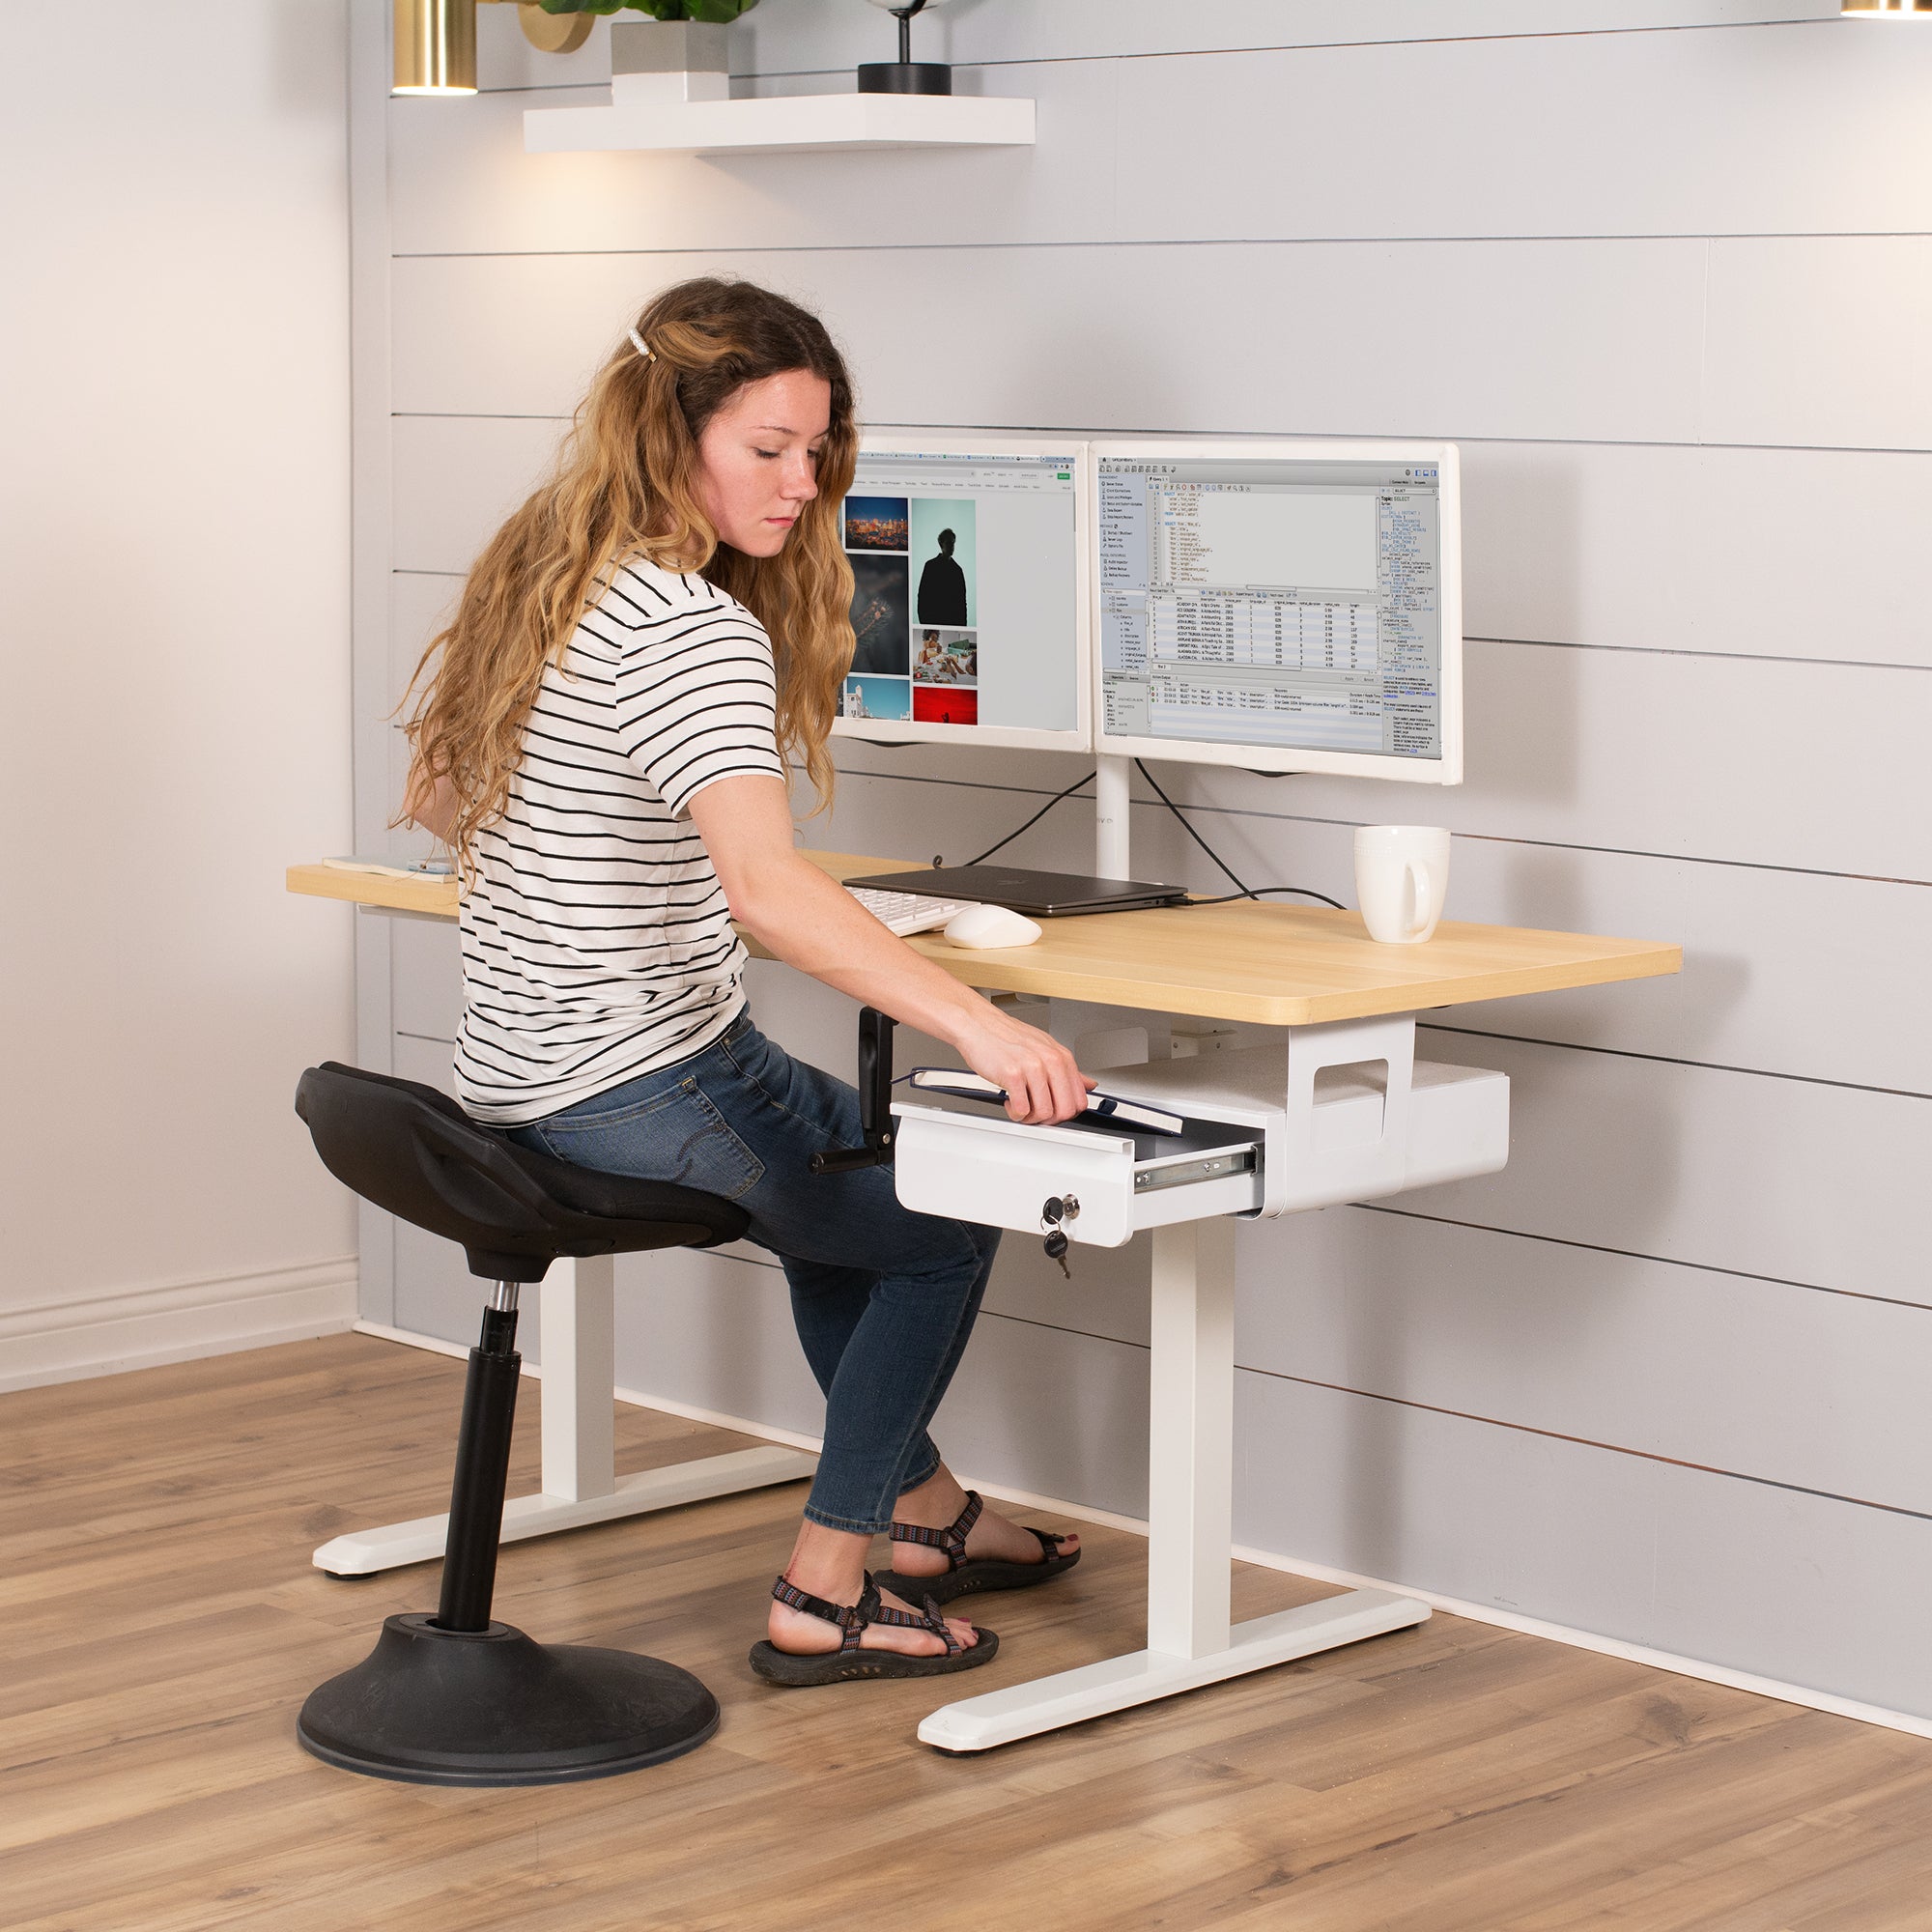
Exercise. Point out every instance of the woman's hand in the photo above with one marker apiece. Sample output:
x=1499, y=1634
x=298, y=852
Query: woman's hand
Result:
x=1041, y=1080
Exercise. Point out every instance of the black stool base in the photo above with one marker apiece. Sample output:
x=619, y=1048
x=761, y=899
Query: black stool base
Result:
x=904, y=77
x=430, y=1706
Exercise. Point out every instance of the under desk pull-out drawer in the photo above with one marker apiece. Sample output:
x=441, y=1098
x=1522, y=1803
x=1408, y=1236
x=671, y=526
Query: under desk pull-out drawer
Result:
x=1336, y=1132
x=986, y=1168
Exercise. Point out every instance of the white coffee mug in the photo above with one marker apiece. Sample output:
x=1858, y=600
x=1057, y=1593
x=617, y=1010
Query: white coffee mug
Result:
x=1401, y=876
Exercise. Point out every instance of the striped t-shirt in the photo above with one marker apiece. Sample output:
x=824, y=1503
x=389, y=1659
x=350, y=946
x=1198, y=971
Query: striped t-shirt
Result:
x=596, y=941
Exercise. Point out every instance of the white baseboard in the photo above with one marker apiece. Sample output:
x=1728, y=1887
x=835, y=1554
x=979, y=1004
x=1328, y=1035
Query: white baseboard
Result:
x=1321, y=1573
x=1608, y=1646
x=457, y=1352
x=690, y=1411
x=103, y=1334
x=685, y=1410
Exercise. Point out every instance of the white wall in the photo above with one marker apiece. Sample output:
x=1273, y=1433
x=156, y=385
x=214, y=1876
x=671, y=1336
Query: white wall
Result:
x=1656, y=266
x=176, y=619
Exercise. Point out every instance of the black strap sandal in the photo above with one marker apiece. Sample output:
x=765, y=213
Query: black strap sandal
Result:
x=849, y=1661
x=965, y=1574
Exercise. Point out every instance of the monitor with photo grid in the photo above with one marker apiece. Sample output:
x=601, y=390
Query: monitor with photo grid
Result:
x=970, y=610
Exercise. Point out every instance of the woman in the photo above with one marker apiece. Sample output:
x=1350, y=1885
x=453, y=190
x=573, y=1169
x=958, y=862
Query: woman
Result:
x=602, y=741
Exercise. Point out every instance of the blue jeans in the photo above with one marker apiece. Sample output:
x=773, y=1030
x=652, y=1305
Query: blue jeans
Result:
x=883, y=1298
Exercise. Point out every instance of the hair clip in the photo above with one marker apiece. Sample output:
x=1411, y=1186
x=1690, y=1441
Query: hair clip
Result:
x=642, y=347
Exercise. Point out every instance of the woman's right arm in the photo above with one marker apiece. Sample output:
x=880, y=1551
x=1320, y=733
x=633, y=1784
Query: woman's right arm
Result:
x=813, y=923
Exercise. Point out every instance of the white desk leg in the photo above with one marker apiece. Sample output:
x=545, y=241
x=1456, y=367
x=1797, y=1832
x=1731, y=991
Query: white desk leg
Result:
x=581, y=1484
x=1189, y=1531
x=1191, y=1438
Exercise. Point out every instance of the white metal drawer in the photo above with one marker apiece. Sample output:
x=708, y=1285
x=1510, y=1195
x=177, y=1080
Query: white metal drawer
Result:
x=985, y=1167
x=1344, y=1113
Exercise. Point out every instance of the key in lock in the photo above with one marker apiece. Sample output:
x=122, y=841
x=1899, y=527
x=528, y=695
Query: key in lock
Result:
x=1054, y=1211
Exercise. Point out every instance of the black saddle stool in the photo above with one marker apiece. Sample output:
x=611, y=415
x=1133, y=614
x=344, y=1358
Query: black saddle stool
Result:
x=456, y=1698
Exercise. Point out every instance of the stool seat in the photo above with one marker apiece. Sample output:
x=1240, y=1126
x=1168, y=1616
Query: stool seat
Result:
x=416, y=1152
x=458, y=1698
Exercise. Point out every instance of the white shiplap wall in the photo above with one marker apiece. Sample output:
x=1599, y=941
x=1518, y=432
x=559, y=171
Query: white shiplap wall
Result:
x=1659, y=269
x=174, y=606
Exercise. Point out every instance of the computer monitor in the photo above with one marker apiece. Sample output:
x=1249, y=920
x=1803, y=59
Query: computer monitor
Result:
x=970, y=603
x=1283, y=606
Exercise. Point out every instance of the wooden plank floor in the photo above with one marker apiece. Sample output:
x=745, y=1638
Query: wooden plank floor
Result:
x=164, y=1625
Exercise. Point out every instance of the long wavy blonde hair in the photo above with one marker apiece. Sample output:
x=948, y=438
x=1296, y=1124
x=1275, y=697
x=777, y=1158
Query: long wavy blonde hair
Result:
x=627, y=482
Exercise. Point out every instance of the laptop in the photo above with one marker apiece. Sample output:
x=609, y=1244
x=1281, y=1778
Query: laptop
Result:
x=1041, y=895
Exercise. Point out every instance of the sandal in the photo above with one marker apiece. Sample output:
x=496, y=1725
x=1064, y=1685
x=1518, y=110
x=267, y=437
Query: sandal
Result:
x=966, y=1574
x=849, y=1661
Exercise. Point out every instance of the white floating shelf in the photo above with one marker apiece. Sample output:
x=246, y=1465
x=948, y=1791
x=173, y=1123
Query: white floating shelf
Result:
x=794, y=123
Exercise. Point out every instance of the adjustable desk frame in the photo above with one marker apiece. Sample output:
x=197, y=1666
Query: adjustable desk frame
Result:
x=1254, y=963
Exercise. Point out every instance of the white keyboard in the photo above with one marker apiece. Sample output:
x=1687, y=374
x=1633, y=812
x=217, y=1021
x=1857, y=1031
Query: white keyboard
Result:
x=905, y=912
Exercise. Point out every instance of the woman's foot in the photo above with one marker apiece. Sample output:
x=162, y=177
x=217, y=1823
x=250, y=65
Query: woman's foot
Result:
x=831, y=1564
x=859, y=1655
x=800, y=1634
x=992, y=1536
x=995, y=1547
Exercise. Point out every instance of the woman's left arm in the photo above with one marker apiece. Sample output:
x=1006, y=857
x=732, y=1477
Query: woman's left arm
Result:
x=429, y=803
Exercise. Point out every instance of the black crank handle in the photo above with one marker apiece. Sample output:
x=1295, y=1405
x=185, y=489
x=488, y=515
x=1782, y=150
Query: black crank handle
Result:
x=848, y=1161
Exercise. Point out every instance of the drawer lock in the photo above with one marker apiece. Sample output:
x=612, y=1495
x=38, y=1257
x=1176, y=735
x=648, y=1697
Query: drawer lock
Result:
x=1055, y=1208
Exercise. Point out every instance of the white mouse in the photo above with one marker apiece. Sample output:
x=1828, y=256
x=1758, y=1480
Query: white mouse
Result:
x=981, y=927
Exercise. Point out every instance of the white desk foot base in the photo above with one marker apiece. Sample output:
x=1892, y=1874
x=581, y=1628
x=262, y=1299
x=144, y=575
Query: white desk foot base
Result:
x=363, y=1551
x=1050, y=1703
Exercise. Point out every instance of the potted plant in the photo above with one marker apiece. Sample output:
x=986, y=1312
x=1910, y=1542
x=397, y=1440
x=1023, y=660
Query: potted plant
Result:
x=676, y=53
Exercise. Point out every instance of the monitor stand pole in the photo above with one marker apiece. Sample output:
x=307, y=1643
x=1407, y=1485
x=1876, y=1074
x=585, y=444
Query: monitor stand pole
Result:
x=1111, y=833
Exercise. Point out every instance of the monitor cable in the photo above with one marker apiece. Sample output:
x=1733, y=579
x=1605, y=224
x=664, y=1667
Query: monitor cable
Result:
x=1246, y=891
x=1086, y=780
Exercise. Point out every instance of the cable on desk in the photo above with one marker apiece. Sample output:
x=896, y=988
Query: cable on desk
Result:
x=1263, y=891
x=1246, y=891
x=1088, y=778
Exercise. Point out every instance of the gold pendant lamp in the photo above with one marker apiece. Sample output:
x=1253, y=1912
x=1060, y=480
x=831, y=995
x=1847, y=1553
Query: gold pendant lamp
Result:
x=435, y=46
x=1888, y=10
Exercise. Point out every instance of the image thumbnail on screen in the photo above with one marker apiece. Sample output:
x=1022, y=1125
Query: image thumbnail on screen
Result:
x=945, y=554
x=944, y=705
x=875, y=523
x=947, y=657
x=881, y=617
x=888, y=698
